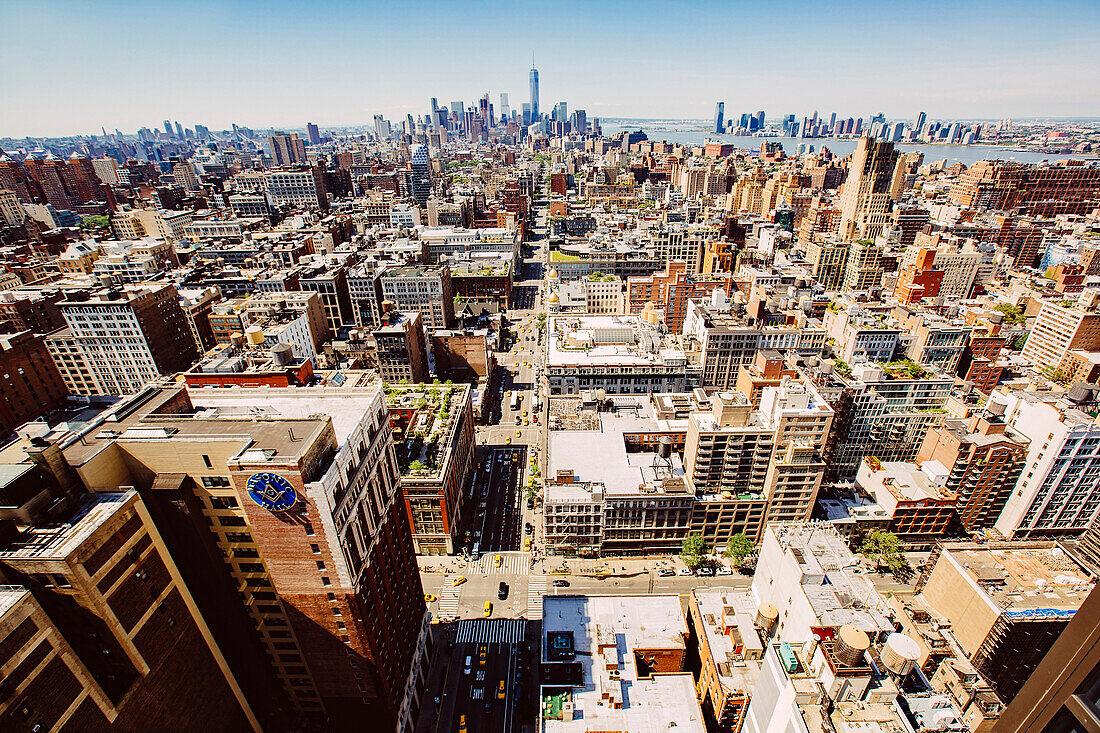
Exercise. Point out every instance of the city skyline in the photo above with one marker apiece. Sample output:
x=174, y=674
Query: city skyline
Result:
x=986, y=62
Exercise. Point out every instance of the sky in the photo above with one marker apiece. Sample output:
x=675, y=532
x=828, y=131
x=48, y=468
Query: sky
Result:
x=73, y=67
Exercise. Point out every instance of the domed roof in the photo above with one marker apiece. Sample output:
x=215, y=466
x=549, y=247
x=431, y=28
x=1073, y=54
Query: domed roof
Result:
x=51, y=157
x=77, y=156
x=553, y=274
x=553, y=298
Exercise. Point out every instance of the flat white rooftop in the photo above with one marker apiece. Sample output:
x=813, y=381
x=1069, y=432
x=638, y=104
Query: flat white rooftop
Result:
x=660, y=703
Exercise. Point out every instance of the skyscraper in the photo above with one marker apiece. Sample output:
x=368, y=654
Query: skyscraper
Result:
x=287, y=149
x=313, y=134
x=918, y=123
x=865, y=197
x=421, y=175
x=534, y=92
x=504, y=110
x=720, y=117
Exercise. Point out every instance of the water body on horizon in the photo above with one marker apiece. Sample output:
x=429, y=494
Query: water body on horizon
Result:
x=966, y=154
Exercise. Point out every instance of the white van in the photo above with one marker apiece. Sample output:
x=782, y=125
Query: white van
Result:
x=469, y=665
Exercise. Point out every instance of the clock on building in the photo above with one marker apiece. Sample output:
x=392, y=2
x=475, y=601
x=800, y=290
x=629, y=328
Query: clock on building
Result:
x=272, y=492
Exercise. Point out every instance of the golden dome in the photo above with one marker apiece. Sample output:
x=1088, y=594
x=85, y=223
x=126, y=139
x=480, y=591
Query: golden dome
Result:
x=553, y=274
x=553, y=298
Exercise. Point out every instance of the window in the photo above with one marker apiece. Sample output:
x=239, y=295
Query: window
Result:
x=326, y=581
x=206, y=460
x=223, y=502
x=320, y=564
x=309, y=529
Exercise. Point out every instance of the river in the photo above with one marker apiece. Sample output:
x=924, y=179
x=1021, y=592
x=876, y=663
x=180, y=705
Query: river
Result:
x=966, y=154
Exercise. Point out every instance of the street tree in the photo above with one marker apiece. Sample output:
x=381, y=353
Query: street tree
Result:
x=884, y=550
x=739, y=547
x=694, y=550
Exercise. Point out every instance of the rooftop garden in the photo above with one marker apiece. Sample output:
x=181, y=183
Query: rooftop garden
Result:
x=557, y=256
x=1013, y=315
x=421, y=424
x=905, y=369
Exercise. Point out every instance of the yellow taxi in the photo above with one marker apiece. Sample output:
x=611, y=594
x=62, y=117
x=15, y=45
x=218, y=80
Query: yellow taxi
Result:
x=508, y=440
x=500, y=690
x=498, y=561
x=462, y=724
x=482, y=654
x=458, y=581
x=527, y=545
x=429, y=598
x=488, y=609
x=518, y=433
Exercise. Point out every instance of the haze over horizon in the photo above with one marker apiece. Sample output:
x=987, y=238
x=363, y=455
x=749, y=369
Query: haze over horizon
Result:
x=124, y=65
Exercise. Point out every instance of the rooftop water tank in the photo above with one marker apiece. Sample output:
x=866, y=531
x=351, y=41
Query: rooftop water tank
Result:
x=900, y=654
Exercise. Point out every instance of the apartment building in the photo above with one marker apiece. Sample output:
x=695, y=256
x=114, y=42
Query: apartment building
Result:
x=401, y=348
x=127, y=337
x=672, y=289
x=880, y=412
x=1058, y=494
x=984, y=459
x=426, y=290
x=1062, y=326
x=828, y=260
x=297, y=186
x=435, y=468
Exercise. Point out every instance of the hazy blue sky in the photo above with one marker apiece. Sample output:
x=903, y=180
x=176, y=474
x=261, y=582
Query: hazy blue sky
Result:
x=68, y=67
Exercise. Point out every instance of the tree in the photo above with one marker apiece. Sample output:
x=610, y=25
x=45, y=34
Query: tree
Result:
x=884, y=550
x=542, y=321
x=416, y=466
x=1012, y=314
x=739, y=547
x=694, y=550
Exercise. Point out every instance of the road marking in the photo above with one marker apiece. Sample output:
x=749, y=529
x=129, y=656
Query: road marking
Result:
x=448, y=598
x=512, y=563
x=490, y=631
x=536, y=589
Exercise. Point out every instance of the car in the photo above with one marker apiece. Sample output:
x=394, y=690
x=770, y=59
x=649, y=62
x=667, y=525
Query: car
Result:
x=469, y=664
x=508, y=440
x=482, y=656
x=684, y=571
x=528, y=528
x=462, y=724
x=527, y=545
x=429, y=598
x=488, y=611
x=530, y=503
x=707, y=572
x=519, y=434
x=488, y=707
x=517, y=419
x=458, y=581
x=723, y=570
x=502, y=590
x=665, y=572
x=500, y=690
x=515, y=459
x=498, y=561
x=560, y=583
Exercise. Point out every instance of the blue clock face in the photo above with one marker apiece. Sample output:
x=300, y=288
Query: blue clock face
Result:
x=272, y=492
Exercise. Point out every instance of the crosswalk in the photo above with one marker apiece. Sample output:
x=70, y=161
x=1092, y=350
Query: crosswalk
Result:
x=490, y=631
x=448, y=599
x=512, y=563
x=536, y=589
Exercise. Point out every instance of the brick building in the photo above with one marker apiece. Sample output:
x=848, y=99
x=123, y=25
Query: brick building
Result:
x=672, y=289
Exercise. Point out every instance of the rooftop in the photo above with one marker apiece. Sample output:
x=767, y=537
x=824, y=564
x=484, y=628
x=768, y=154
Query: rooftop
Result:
x=58, y=541
x=1027, y=578
x=728, y=616
x=606, y=631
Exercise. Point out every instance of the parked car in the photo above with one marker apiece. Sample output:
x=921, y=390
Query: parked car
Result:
x=560, y=583
x=723, y=570
x=705, y=572
x=665, y=572
x=502, y=590
x=684, y=571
